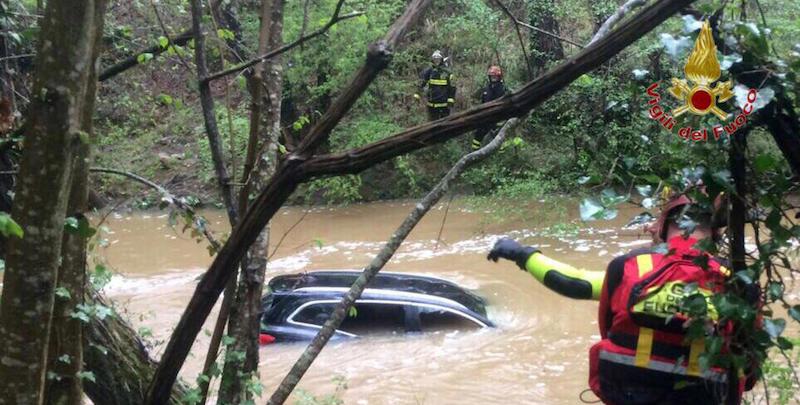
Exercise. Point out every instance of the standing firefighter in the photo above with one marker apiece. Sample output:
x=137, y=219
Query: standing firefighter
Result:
x=437, y=85
x=494, y=89
x=645, y=355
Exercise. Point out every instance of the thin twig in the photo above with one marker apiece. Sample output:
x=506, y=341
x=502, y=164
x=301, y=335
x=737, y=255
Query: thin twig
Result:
x=21, y=56
x=444, y=219
x=548, y=33
x=519, y=36
x=285, y=234
x=271, y=54
x=168, y=36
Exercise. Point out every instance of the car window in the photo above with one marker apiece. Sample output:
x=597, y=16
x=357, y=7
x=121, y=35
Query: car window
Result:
x=433, y=320
x=315, y=314
x=375, y=318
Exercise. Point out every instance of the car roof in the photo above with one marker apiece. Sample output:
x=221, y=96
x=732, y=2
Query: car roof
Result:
x=400, y=287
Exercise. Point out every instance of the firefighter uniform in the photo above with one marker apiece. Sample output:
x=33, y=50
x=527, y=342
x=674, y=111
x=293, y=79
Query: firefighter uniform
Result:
x=437, y=85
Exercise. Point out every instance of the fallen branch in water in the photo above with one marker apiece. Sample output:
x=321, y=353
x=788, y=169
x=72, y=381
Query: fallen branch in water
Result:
x=200, y=223
x=315, y=347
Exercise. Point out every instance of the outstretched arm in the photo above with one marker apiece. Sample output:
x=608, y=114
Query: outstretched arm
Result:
x=559, y=277
x=565, y=279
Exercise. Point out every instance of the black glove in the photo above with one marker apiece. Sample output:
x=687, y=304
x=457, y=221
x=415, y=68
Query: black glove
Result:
x=511, y=250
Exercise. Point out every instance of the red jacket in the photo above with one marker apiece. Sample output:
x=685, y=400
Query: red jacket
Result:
x=643, y=356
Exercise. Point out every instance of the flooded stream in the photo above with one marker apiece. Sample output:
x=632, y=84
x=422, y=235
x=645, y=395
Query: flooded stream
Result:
x=536, y=355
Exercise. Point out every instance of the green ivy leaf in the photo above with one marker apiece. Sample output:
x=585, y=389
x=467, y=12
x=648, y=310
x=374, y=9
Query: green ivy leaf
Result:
x=589, y=208
x=774, y=327
x=144, y=58
x=785, y=344
x=644, y=190
x=9, y=227
x=794, y=312
x=87, y=375
x=62, y=292
x=163, y=42
x=71, y=225
x=775, y=290
x=746, y=276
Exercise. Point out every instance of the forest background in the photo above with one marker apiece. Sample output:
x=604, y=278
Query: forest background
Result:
x=595, y=132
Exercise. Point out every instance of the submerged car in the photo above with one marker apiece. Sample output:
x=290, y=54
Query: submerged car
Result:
x=299, y=304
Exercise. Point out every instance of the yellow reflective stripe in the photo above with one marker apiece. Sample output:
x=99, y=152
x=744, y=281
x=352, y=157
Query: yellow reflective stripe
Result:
x=436, y=105
x=697, y=348
x=644, y=346
x=438, y=82
x=645, y=264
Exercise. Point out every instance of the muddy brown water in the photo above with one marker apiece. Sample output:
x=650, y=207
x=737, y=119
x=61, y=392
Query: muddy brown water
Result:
x=537, y=354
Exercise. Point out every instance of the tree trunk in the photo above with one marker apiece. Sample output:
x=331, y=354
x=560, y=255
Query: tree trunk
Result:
x=244, y=324
x=63, y=386
x=117, y=357
x=210, y=120
x=54, y=133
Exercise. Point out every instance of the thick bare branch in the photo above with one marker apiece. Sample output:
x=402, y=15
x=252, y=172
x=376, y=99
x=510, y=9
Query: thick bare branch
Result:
x=514, y=104
x=315, y=347
x=615, y=18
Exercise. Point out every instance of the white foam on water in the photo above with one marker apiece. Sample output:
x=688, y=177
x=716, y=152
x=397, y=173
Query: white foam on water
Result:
x=176, y=278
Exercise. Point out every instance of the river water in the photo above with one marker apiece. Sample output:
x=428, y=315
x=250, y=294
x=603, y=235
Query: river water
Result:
x=536, y=355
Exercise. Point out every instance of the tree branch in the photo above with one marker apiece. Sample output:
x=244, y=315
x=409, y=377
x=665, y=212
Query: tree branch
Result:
x=387, y=251
x=548, y=33
x=133, y=60
x=290, y=173
x=280, y=187
x=514, y=104
x=167, y=196
x=615, y=18
x=209, y=117
x=335, y=18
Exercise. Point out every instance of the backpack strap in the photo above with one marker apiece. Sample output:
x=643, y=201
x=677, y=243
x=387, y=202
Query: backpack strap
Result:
x=644, y=344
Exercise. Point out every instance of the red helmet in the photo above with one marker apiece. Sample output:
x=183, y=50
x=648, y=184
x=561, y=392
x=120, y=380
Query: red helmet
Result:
x=676, y=202
x=495, y=71
x=660, y=227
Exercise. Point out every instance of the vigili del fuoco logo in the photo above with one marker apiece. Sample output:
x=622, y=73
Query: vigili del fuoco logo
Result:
x=700, y=95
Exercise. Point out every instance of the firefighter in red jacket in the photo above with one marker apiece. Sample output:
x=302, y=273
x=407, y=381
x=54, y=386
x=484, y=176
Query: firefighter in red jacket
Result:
x=437, y=85
x=643, y=356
